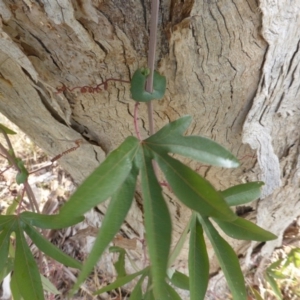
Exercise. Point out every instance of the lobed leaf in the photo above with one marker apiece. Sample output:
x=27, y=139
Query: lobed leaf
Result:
x=120, y=282
x=7, y=221
x=138, y=81
x=4, y=247
x=158, y=228
x=242, y=193
x=26, y=271
x=15, y=289
x=198, y=262
x=49, y=221
x=49, y=249
x=227, y=259
x=243, y=229
x=170, y=131
x=116, y=212
x=193, y=190
x=198, y=148
x=103, y=182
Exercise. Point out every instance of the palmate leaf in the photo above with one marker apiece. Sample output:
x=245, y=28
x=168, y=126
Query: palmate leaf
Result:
x=243, y=229
x=49, y=221
x=196, y=147
x=158, y=228
x=15, y=289
x=26, y=271
x=193, y=190
x=6, y=221
x=103, y=182
x=242, y=193
x=227, y=259
x=49, y=249
x=198, y=262
x=116, y=212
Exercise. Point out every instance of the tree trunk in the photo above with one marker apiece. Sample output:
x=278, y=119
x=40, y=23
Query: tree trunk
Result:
x=232, y=65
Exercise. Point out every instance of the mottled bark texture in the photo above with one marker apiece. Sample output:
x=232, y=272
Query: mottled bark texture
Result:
x=232, y=65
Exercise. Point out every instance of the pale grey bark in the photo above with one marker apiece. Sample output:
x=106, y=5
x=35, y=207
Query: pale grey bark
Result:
x=232, y=65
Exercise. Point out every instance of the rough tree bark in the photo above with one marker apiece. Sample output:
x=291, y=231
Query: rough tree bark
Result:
x=232, y=65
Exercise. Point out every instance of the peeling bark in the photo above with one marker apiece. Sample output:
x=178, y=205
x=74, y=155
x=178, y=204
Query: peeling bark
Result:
x=232, y=65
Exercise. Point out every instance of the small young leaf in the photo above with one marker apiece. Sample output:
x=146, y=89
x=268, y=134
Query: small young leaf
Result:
x=196, y=147
x=49, y=249
x=120, y=263
x=158, y=228
x=23, y=173
x=49, y=221
x=26, y=270
x=12, y=207
x=116, y=212
x=242, y=193
x=193, y=190
x=49, y=286
x=227, y=259
x=274, y=285
x=138, y=81
x=6, y=130
x=180, y=280
x=243, y=229
x=171, y=130
x=198, y=262
x=104, y=181
x=120, y=282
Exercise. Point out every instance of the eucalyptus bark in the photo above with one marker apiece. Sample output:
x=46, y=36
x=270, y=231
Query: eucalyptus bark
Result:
x=232, y=65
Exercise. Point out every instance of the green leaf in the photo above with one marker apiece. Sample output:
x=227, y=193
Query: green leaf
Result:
x=172, y=293
x=4, y=246
x=120, y=263
x=138, y=81
x=137, y=293
x=15, y=289
x=23, y=173
x=116, y=212
x=198, y=262
x=6, y=130
x=171, y=130
x=26, y=271
x=49, y=286
x=12, y=207
x=274, y=285
x=193, y=190
x=243, y=229
x=242, y=193
x=104, y=181
x=158, y=228
x=49, y=249
x=227, y=259
x=120, y=282
x=7, y=221
x=49, y=221
x=196, y=147
x=179, y=245
x=180, y=280
x=256, y=294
